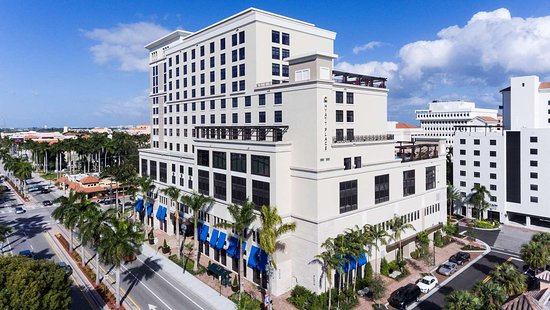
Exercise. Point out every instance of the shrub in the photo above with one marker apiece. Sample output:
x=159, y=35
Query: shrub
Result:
x=414, y=254
x=377, y=288
x=384, y=267
x=470, y=247
x=447, y=240
x=485, y=224
x=247, y=302
x=165, y=247
x=302, y=298
x=368, y=272
x=438, y=239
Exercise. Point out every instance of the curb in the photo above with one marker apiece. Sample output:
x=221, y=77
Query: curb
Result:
x=449, y=279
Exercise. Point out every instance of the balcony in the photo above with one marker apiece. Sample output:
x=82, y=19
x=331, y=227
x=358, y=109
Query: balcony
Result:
x=242, y=133
x=358, y=79
x=363, y=138
x=411, y=151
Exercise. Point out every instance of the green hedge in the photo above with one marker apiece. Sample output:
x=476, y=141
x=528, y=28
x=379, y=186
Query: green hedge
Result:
x=188, y=264
x=247, y=302
x=485, y=224
x=304, y=299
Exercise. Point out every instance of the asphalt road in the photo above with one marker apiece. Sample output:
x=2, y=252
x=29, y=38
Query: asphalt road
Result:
x=28, y=234
x=466, y=280
x=144, y=284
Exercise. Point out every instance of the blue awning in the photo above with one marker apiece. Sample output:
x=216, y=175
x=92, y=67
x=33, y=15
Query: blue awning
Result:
x=149, y=209
x=362, y=259
x=253, y=257
x=233, y=245
x=214, y=237
x=262, y=262
x=221, y=240
x=238, y=254
x=139, y=205
x=159, y=212
x=163, y=214
x=204, y=232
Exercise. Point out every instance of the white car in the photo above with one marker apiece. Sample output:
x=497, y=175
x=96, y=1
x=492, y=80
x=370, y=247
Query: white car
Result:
x=427, y=283
x=20, y=210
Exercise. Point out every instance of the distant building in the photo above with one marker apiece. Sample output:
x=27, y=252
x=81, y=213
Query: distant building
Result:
x=440, y=119
x=404, y=132
x=89, y=184
x=511, y=163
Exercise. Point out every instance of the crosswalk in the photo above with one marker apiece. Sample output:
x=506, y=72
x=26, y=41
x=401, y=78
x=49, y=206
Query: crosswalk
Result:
x=8, y=210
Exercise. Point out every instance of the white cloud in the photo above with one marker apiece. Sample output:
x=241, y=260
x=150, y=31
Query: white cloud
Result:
x=366, y=47
x=124, y=44
x=373, y=68
x=135, y=107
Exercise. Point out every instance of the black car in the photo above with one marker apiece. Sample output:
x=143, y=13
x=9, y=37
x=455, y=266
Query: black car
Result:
x=46, y=203
x=403, y=296
x=460, y=258
x=44, y=191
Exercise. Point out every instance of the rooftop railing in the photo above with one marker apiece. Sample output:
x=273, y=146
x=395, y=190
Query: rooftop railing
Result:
x=362, y=138
x=243, y=133
x=412, y=152
x=358, y=79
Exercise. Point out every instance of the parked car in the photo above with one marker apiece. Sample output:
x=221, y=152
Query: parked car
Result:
x=20, y=210
x=68, y=269
x=403, y=296
x=46, y=203
x=427, y=283
x=44, y=191
x=26, y=253
x=34, y=189
x=460, y=258
x=447, y=269
x=363, y=292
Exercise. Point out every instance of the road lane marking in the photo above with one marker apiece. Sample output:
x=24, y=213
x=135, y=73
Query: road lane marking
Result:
x=487, y=278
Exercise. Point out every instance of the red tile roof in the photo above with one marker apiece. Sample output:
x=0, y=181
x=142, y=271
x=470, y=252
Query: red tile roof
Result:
x=403, y=125
x=487, y=118
x=544, y=85
x=89, y=180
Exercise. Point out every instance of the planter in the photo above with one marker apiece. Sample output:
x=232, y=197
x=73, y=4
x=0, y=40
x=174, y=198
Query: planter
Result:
x=152, y=241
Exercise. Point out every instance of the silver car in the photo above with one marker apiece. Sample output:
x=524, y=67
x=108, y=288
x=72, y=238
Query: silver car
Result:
x=447, y=269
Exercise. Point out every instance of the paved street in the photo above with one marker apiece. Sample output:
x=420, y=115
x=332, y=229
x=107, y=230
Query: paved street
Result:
x=145, y=284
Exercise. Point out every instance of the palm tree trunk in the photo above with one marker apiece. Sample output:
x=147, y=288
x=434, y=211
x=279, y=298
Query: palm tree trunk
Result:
x=71, y=245
x=196, y=243
x=83, y=254
x=240, y=265
x=178, y=230
x=118, y=287
x=330, y=291
x=97, y=268
x=376, y=270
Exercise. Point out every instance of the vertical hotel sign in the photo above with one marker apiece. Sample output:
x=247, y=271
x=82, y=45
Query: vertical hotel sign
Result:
x=325, y=106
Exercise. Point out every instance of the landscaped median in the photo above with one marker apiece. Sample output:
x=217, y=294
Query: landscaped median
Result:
x=105, y=293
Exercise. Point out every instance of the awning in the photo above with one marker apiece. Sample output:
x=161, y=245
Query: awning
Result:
x=149, y=209
x=238, y=252
x=221, y=240
x=161, y=212
x=163, y=215
x=139, y=205
x=352, y=262
x=253, y=257
x=362, y=259
x=214, y=237
x=262, y=262
x=203, y=232
x=232, y=248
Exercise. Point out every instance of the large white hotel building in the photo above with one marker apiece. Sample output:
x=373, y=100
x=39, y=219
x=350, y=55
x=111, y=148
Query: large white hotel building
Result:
x=511, y=163
x=251, y=107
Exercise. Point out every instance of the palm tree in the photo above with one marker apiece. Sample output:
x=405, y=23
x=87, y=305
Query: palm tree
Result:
x=491, y=295
x=121, y=241
x=507, y=276
x=67, y=211
x=399, y=227
x=243, y=217
x=462, y=300
x=146, y=186
x=542, y=237
x=453, y=195
x=272, y=229
x=535, y=254
x=174, y=193
x=330, y=261
x=379, y=236
x=196, y=203
x=4, y=232
x=95, y=226
x=479, y=194
x=355, y=240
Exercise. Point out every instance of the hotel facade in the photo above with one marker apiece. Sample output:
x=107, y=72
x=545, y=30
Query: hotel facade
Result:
x=250, y=107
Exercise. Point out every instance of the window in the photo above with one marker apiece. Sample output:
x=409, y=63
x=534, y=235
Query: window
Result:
x=430, y=178
x=285, y=70
x=261, y=99
x=278, y=116
x=286, y=53
x=223, y=119
x=234, y=55
x=276, y=69
x=235, y=118
x=492, y=153
x=218, y=160
x=222, y=43
x=492, y=164
x=234, y=71
x=260, y=165
x=275, y=36
x=285, y=39
x=462, y=183
x=534, y=199
x=476, y=163
x=357, y=161
x=462, y=173
x=408, y=183
x=203, y=158
x=476, y=141
x=241, y=37
x=349, y=98
x=534, y=163
x=241, y=70
x=241, y=53
x=493, y=187
x=278, y=98
x=220, y=186
x=247, y=101
x=261, y=117
x=348, y=196
x=493, y=176
x=339, y=97
x=476, y=152
x=533, y=139
x=476, y=174
x=534, y=175
x=492, y=142
x=238, y=162
x=381, y=188
x=247, y=117
x=238, y=190
x=347, y=163
x=462, y=141
x=162, y=172
x=234, y=40
x=234, y=102
x=462, y=162
x=339, y=116
x=143, y=167
x=275, y=53
x=260, y=193
x=204, y=182
x=534, y=151
x=349, y=116
x=534, y=187
x=462, y=152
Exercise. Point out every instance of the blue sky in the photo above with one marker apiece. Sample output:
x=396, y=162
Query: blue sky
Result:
x=81, y=63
